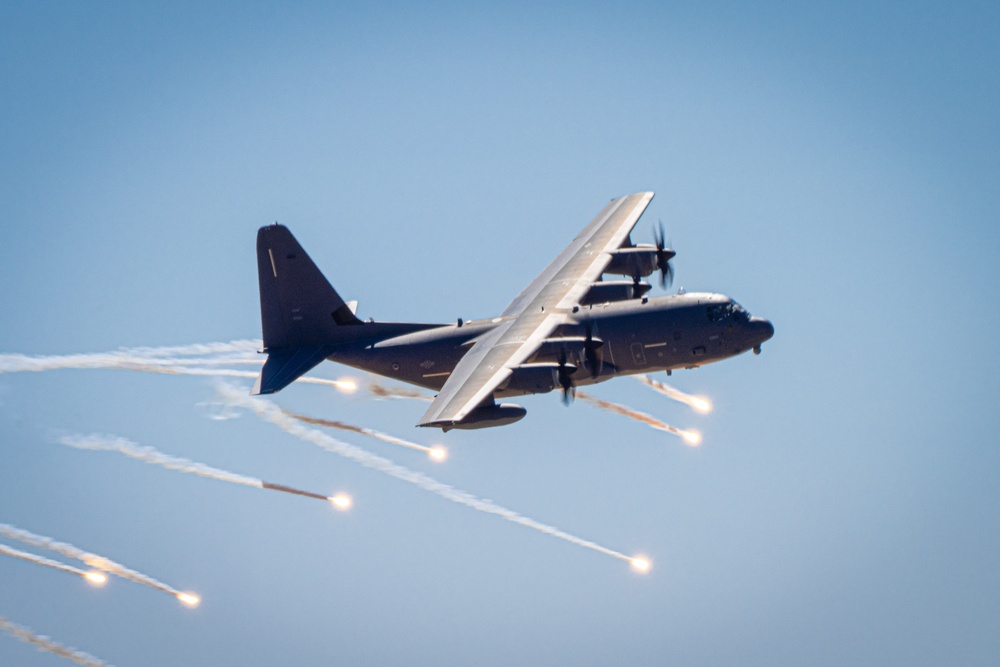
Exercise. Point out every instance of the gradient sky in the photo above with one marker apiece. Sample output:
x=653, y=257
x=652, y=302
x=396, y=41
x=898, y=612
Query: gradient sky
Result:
x=834, y=167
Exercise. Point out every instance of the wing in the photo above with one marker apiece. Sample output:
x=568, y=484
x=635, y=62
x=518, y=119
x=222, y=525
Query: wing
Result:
x=536, y=312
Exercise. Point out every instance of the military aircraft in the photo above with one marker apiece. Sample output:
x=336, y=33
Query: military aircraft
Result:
x=569, y=327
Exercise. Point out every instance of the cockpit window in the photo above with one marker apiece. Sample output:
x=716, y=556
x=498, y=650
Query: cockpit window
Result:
x=727, y=311
x=740, y=313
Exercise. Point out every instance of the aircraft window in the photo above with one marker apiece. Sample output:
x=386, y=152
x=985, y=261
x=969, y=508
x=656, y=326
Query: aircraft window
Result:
x=716, y=313
x=727, y=311
x=739, y=312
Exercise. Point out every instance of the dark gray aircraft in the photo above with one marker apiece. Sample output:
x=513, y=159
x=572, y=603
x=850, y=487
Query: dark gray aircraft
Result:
x=569, y=327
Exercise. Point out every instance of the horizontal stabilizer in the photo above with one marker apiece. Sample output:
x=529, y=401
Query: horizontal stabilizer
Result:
x=284, y=367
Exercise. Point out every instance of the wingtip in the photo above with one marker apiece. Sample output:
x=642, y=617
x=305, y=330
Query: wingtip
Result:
x=443, y=425
x=648, y=195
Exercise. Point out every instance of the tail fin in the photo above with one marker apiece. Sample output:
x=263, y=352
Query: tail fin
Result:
x=300, y=311
x=298, y=306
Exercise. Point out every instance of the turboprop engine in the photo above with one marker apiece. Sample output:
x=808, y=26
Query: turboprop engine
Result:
x=615, y=290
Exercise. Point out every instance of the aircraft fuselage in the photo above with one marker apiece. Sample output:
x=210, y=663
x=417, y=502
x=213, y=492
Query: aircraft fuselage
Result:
x=638, y=335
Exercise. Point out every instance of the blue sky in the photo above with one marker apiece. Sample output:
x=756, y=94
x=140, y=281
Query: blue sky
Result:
x=832, y=167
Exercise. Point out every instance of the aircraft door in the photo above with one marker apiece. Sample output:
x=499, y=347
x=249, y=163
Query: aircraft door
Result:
x=638, y=354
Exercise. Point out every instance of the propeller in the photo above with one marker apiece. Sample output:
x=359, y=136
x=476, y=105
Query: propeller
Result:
x=565, y=377
x=592, y=350
x=663, y=257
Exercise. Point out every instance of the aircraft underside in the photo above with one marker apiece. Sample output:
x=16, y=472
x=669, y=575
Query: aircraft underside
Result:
x=667, y=333
x=569, y=327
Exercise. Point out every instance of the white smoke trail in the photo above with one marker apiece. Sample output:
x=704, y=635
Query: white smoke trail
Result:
x=43, y=643
x=692, y=438
x=154, y=456
x=435, y=452
x=267, y=411
x=244, y=345
x=150, y=455
x=156, y=360
x=16, y=363
x=699, y=403
x=21, y=363
x=141, y=366
x=220, y=360
x=93, y=560
x=41, y=560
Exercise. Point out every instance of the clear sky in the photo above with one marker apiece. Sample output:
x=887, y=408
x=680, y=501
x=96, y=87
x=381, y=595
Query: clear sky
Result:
x=834, y=167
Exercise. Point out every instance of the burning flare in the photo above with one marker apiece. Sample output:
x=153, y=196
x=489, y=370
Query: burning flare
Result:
x=692, y=438
x=47, y=562
x=437, y=452
x=641, y=564
x=341, y=501
x=181, y=360
x=189, y=599
x=699, y=403
x=346, y=385
x=96, y=578
x=105, y=565
x=237, y=397
x=154, y=456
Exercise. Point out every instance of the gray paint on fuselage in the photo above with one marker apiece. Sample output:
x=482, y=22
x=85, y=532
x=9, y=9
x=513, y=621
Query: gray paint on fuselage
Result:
x=672, y=332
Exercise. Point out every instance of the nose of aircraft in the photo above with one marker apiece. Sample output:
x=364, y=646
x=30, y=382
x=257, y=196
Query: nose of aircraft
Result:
x=762, y=329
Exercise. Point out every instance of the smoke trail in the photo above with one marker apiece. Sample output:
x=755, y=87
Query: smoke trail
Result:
x=142, y=366
x=699, y=403
x=132, y=365
x=91, y=559
x=692, y=438
x=16, y=363
x=218, y=360
x=47, y=562
x=154, y=360
x=21, y=363
x=267, y=411
x=436, y=452
x=244, y=345
x=156, y=457
x=382, y=391
x=43, y=643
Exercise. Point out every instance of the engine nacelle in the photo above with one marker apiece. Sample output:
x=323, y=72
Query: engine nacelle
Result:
x=635, y=261
x=534, y=378
x=490, y=415
x=614, y=290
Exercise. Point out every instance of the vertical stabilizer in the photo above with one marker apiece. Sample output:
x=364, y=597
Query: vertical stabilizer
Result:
x=300, y=312
x=298, y=306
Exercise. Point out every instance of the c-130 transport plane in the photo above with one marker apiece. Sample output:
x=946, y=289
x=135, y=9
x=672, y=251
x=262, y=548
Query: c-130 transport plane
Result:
x=569, y=327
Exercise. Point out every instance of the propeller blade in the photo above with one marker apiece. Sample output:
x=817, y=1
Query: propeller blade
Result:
x=565, y=378
x=568, y=394
x=663, y=256
x=593, y=352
